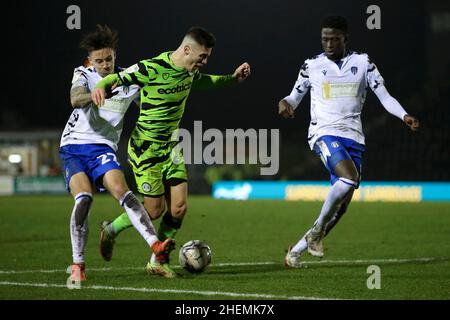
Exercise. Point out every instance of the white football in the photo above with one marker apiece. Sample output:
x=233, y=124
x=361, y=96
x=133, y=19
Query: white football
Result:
x=195, y=256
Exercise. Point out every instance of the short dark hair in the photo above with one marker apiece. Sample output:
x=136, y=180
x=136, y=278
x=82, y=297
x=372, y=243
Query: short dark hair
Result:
x=202, y=37
x=102, y=37
x=335, y=22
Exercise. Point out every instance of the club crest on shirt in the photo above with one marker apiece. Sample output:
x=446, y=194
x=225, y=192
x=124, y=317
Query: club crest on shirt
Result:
x=165, y=76
x=146, y=187
x=335, y=144
x=354, y=70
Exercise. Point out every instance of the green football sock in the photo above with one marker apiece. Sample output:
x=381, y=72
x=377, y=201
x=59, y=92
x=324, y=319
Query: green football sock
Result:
x=168, y=227
x=121, y=223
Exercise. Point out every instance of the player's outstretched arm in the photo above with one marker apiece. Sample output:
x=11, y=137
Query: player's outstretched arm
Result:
x=376, y=83
x=394, y=107
x=103, y=89
x=242, y=72
x=411, y=122
x=288, y=104
x=204, y=81
x=285, y=110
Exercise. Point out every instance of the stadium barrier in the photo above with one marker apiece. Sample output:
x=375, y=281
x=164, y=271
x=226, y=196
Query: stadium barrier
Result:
x=31, y=185
x=317, y=191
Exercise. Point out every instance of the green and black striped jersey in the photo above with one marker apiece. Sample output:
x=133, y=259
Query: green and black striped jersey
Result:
x=164, y=91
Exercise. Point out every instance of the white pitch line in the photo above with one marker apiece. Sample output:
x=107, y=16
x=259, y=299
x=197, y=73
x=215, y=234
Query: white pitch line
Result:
x=238, y=264
x=334, y=262
x=176, y=291
x=376, y=261
x=53, y=270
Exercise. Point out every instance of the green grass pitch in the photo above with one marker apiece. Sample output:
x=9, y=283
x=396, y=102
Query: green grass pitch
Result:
x=409, y=242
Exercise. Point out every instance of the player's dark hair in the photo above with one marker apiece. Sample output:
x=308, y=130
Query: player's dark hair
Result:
x=202, y=37
x=335, y=22
x=102, y=37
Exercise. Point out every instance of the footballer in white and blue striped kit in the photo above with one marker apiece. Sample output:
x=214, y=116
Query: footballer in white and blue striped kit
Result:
x=337, y=80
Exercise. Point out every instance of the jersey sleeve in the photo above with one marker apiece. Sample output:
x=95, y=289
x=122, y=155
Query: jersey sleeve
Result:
x=209, y=81
x=376, y=82
x=140, y=74
x=80, y=78
x=301, y=86
x=374, y=78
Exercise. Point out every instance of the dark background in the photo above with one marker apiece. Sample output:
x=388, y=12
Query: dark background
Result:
x=412, y=52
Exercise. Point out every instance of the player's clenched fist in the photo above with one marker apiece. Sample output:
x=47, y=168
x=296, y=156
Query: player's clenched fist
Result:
x=411, y=122
x=242, y=72
x=285, y=110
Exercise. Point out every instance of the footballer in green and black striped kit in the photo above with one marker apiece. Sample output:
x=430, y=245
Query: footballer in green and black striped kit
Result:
x=165, y=89
x=166, y=82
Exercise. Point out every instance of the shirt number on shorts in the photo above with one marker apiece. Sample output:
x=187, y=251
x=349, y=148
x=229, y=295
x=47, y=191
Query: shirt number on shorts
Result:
x=107, y=157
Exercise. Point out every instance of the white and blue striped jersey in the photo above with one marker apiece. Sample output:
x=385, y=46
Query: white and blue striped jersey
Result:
x=338, y=91
x=94, y=125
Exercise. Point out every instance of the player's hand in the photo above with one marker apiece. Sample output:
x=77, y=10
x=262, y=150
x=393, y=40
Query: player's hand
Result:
x=411, y=122
x=99, y=95
x=242, y=72
x=285, y=110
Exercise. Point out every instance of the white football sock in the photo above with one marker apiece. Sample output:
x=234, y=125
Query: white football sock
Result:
x=138, y=217
x=337, y=194
x=302, y=245
x=79, y=227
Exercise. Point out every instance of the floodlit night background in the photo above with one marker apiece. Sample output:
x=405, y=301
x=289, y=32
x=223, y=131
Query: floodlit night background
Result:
x=411, y=50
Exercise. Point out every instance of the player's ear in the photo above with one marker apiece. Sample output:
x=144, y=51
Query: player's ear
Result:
x=187, y=49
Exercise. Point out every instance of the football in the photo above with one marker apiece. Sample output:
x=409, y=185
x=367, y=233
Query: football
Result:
x=195, y=256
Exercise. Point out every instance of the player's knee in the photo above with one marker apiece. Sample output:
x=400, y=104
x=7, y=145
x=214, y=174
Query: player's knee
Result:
x=154, y=211
x=347, y=169
x=179, y=210
x=351, y=175
x=117, y=190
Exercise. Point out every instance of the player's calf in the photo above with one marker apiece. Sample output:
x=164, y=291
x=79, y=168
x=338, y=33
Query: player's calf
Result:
x=79, y=225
